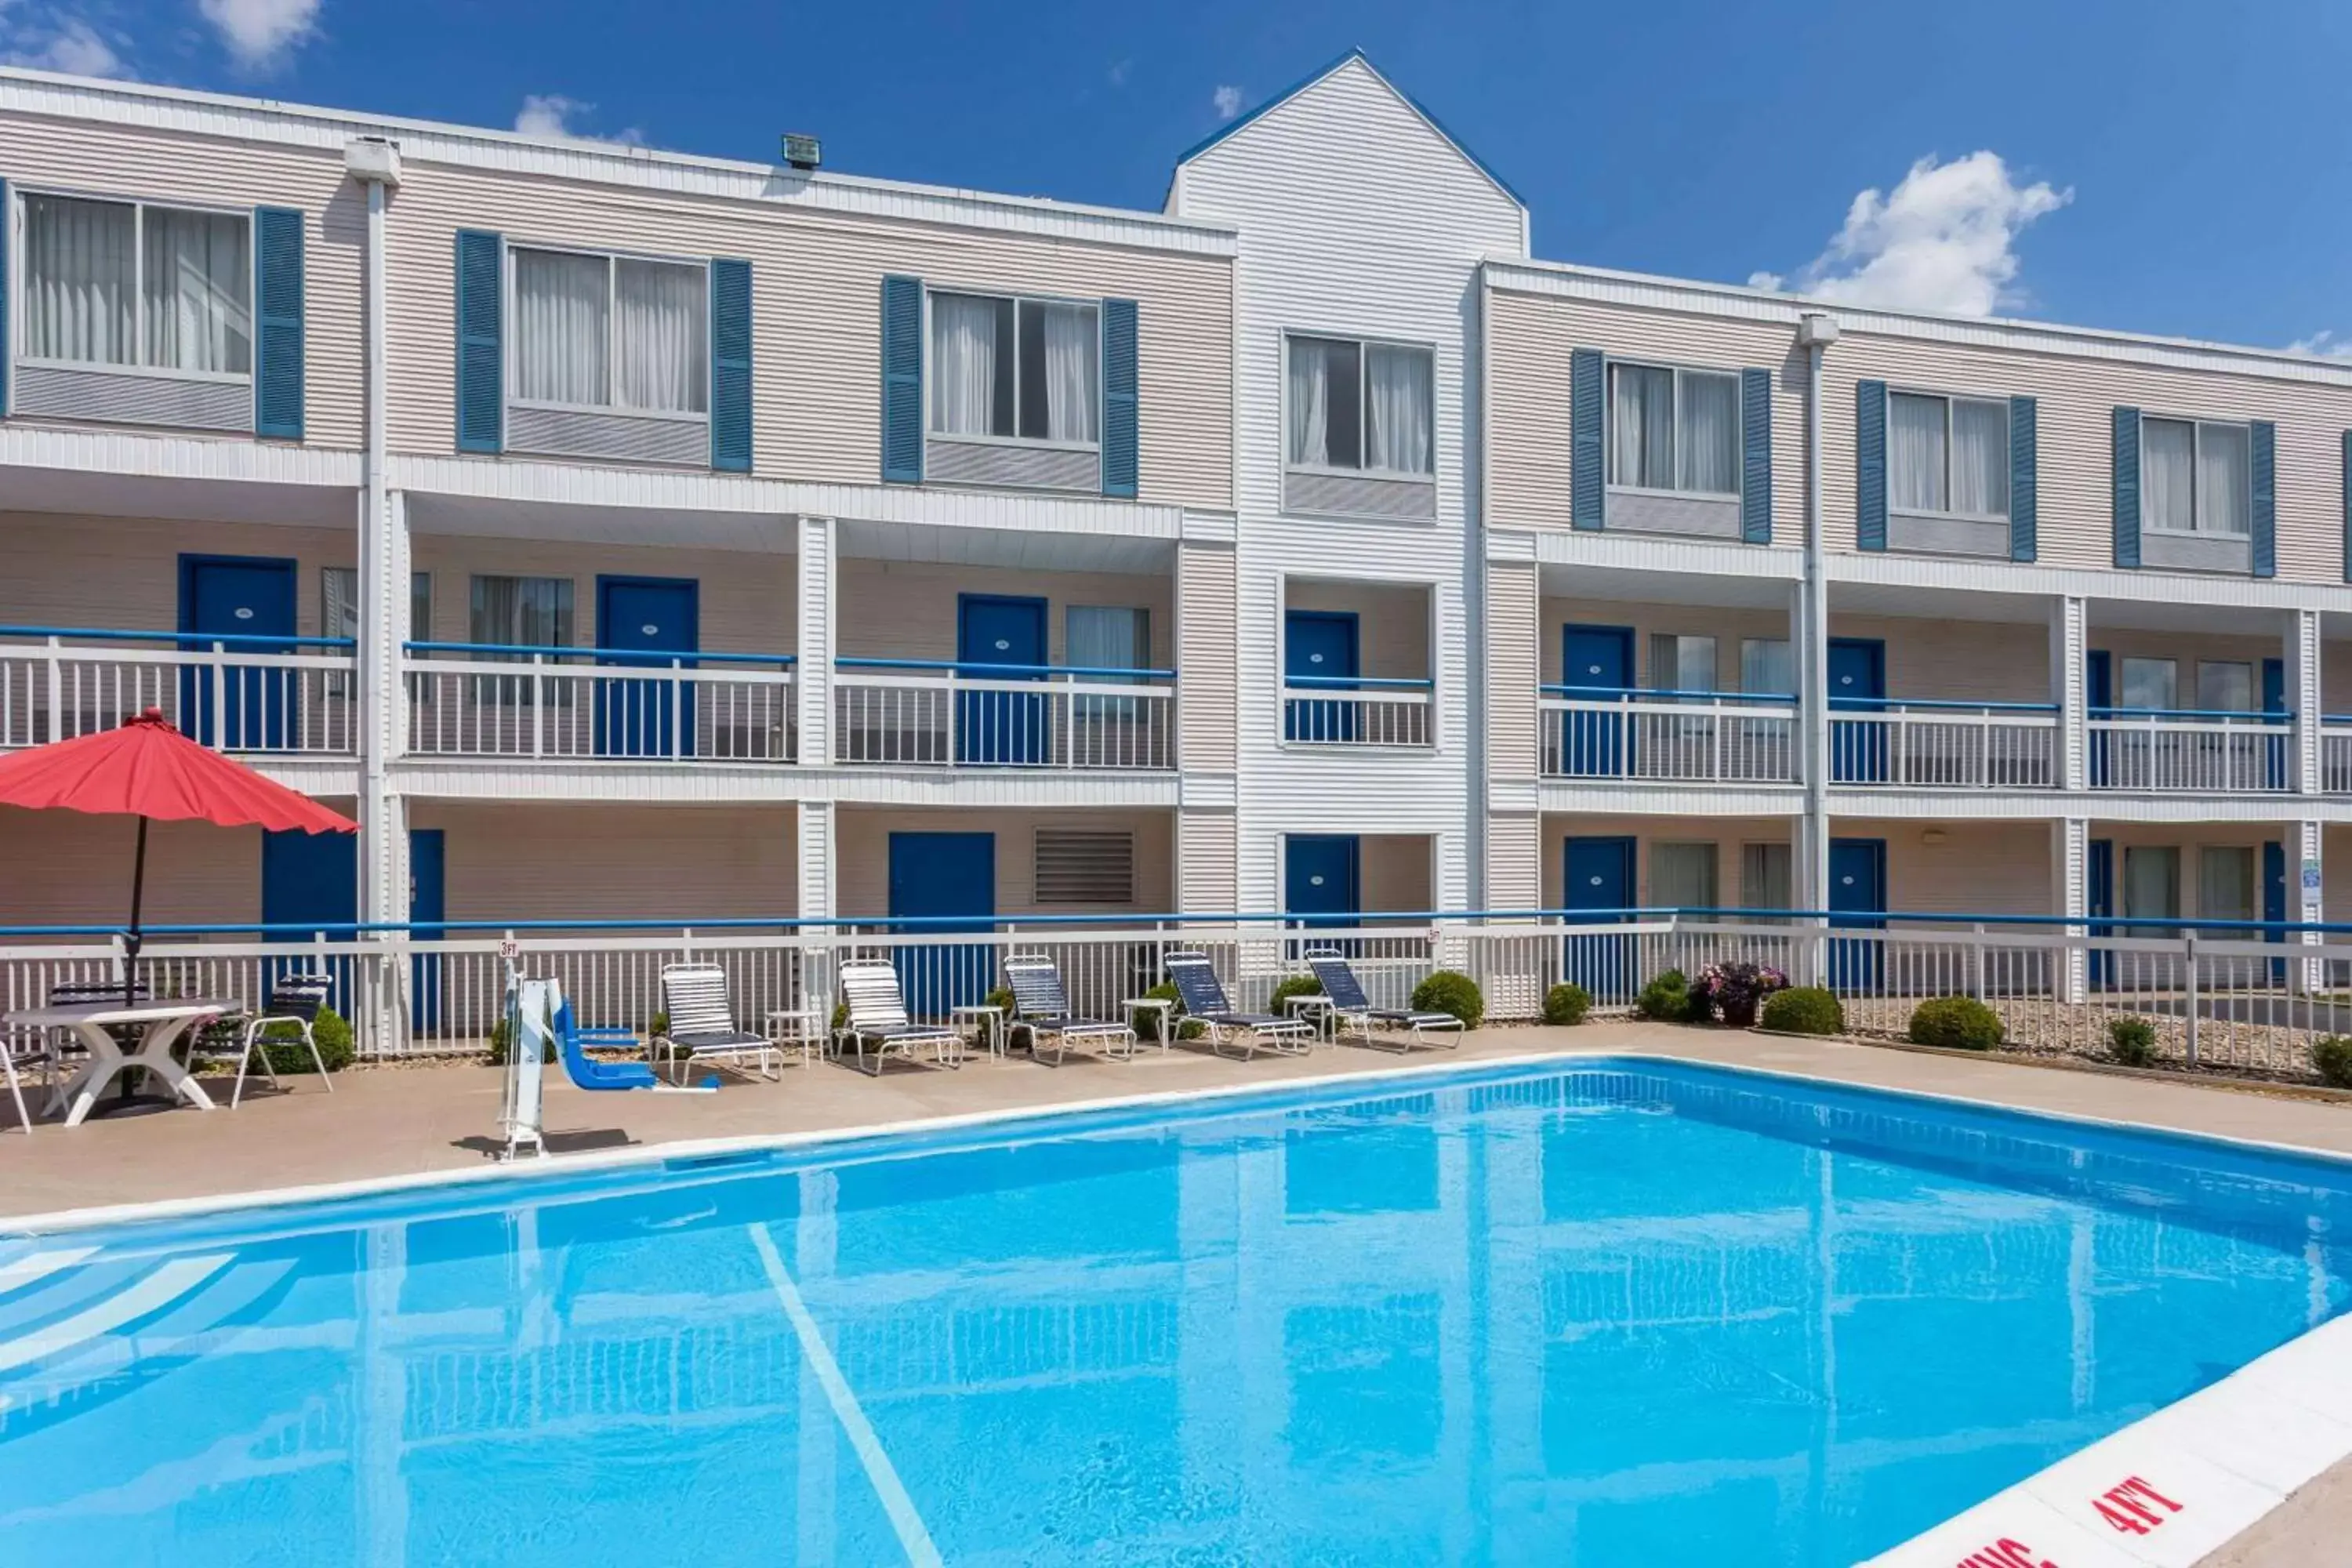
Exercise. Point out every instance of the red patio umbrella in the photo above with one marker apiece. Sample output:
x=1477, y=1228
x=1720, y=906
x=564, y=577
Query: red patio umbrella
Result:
x=149, y=770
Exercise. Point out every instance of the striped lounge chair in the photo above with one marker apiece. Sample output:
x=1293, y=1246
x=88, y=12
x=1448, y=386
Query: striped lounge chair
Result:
x=1041, y=1010
x=702, y=1022
x=877, y=1011
x=1204, y=996
x=1351, y=1007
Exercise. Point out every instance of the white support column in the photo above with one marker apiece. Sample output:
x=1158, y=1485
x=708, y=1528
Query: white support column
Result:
x=2303, y=699
x=815, y=863
x=2069, y=658
x=2306, y=899
x=2069, y=876
x=818, y=560
x=1808, y=851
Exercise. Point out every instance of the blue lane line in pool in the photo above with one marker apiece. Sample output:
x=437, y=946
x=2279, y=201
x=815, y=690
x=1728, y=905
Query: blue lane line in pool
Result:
x=912, y=1534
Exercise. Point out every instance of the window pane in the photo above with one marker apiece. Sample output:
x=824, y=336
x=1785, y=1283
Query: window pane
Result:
x=1640, y=426
x=198, y=284
x=1914, y=453
x=2168, y=468
x=1708, y=435
x=1059, y=366
x=1345, y=411
x=2150, y=683
x=1308, y=403
x=562, y=327
x=522, y=612
x=79, y=271
x=1682, y=877
x=2151, y=886
x=1766, y=666
x=2225, y=886
x=420, y=606
x=2225, y=686
x=2224, y=472
x=965, y=348
x=1682, y=663
x=1104, y=636
x=1980, y=458
x=1398, y=416
x=1764, y=881
x=661, y=337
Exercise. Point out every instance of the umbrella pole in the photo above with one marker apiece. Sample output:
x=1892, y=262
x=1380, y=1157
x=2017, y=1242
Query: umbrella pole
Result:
x=130, y=939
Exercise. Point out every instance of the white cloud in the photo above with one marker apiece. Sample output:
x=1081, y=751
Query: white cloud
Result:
x=2323, y=344
x=1944, y=239
x=1227, y=102
x=51, y=40
x=261, y=33
x=553, y=115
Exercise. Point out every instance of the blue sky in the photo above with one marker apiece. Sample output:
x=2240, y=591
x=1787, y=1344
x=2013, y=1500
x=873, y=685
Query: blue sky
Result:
x=2156, y=166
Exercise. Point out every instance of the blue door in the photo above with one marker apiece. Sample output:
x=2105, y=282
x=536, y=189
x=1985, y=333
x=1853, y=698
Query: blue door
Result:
x=310, y=881
x=1319, y=654
x=1322, y=879
x=1599, y=876
x=1596, y=663
x=642, y=623
x=2274, y=741
x=1857, y=684
x=428, y=906
x=2099, y=696
x=242, y=709
x=2100, y=902
x=942, y=882
x=2275, y=902
x=1008, y=727
x=1857, y=887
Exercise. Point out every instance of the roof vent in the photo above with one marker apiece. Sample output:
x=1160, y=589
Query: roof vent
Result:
x=802, y=151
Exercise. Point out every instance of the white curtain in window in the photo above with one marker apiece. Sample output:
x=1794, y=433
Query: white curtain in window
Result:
x=963, y=365
x=2225, y=686
x=1709, y=434
x=1640, y=426
x=1679, y=663
x=1764, y=876
x=2152, y=885
x=1682, y=877
x=2150, y=683
x=2167, y=471
x=1765, y=667
x=1071, y=370
x=522, y=612
x=2224, y=473
x=661, y=337
x=1309, y=397
x=1109, y=637
x=2225, y=886
x=81, y=270
x=198, y=283
x=1915, y=454
x=562, y=328
x=1980, y=458
x=1398, y=416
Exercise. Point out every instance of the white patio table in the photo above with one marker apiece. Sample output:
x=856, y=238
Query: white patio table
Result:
x=160, y=1026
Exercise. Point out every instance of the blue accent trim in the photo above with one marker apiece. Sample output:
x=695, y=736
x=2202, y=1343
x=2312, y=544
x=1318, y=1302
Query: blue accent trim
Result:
x=965, y=667
x=481, y=370
x=8, y=225
x=2267, y=721
x=2264, y=445
x=1756, y=457
x=1586, y=440
x=278, y=332
x=604, y=654
x=2344, y=494
x=1357, y=682
x=97, y=634
x=1870, y=465
x=1235, y=126
x=2024, y=485
x=730, y=366
x=2126, y=461
x=1121, y=451
x=902, y=380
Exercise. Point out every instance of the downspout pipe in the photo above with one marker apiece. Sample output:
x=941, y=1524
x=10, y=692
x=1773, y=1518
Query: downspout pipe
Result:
x=1816, y=332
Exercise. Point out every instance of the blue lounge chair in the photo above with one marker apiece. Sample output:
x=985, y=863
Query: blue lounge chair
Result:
x=573, y=1042
x=1203, y=995
x=1041, y=1009
x=1349, y=1005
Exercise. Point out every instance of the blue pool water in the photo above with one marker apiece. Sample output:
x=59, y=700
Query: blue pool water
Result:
x=1620, y=1314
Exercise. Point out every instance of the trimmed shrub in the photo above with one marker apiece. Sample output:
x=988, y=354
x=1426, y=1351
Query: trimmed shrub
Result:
x=1291, y=986
x=1147, y=1020
x=1803, y=1010
x=497, y=1057
x=1001, y=999
x=1955, y=1024
x=282, y=1044
x=657, y=1026
x=1667, y=998
x=1567, y=1004
x=2332, y=1055
x=2132, y=1041
x=1451, y=990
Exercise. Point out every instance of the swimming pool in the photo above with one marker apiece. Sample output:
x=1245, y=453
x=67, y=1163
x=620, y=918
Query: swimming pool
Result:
x=1601, y=1313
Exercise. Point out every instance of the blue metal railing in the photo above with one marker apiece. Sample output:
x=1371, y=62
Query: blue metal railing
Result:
x=1007, y=671
x=181, y=640
x=605, y=655
x=1356, y=683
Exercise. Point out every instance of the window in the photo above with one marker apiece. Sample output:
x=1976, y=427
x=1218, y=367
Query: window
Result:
x=1673, y=429
x=604, y=331
x=1764, y=876
x=1948, y=455
x=2196, y=477
x=2225, y=887
x=518, y=612
x=1015, y=369
x=2151, y=886
x=2151, y=683
x=1682, y=877
x=1363, y=406
x=141, y=287
x=1679, y=663
x=2225, y=686
x=1766, y=666
x=1084, y=865
x=1102, y=637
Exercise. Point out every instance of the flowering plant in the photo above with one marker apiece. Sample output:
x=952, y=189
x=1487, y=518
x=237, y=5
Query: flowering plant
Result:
x=1737, y=989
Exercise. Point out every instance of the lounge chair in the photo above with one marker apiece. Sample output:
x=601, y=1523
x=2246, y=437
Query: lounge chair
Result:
x=1203, y=995
x=1350, y=1006
x=294, y=999
x=572, y=1043
x=702, y=1022
x=877, y=1011
x=1041, y=1009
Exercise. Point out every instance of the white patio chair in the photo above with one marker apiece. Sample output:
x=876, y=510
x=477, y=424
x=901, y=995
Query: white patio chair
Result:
x=702, y=1022
x=295, y=999
x=877, y=1011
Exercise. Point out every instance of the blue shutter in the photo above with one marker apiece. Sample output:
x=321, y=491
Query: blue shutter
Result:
x=278, y=323
x=730, y=366
x=7, y=223
x=2345, y=491
x=1584, y=473
x=2023, y=455
x=2265, y=454
x=481, y=348
x=1870, y=465
x=2127, y=462
x=1756, y=456
x=1120, y=455
x=902, y=380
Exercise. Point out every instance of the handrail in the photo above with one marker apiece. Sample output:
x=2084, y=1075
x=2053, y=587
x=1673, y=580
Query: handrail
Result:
x=1637, y=694
x=102, y=634
x=612, y=656
x=1896, y=704
x=964, y=667
x=2271, y=717
x=1356, y=683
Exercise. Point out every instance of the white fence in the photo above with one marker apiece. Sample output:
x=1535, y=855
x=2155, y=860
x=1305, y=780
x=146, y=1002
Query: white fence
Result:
x=1700, y=738
x=2335, y=756
x=238, y=694
x=2207, y=753
x=539, y=703
x=1087, y=721
x=1940, y=745
x=1341, y=716
x=2231, y=1000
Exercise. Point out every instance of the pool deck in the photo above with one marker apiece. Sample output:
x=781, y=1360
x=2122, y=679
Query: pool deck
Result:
x=410, y=1120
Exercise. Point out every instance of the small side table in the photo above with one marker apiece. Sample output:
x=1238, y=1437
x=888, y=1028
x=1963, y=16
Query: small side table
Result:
x=986, y=1021
x=796, y=1027
x=1162, y=1006
x=1317, y=1010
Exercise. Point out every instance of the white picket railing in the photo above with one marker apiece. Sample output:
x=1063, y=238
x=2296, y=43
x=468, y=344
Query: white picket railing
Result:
x=1366, y=713
x=2335, y=756
x=929, y=713
x=480, y=701
x=1945, y=745
x=1698, y=737
x=238, y=694
x=2183, y=753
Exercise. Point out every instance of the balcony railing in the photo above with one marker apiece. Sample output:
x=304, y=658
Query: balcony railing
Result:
x=1682, y=737
x=2182, y=751
x=902, y=712
x=1915, y=743
x=487, y=699
x=2336, y=753
x=1355, y=710
x=256, y=694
